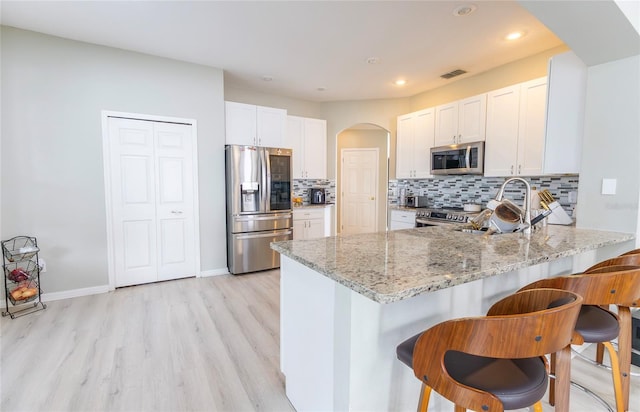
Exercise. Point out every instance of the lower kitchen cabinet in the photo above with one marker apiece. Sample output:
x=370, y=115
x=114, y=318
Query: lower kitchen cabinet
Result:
x=312, y=222
x=402, y=219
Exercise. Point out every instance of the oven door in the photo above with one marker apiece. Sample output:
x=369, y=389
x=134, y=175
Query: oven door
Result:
x=423, y=222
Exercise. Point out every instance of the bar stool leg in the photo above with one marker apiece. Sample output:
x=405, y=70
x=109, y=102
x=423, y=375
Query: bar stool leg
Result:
x=537, y=407
x=600, y=353
x=615, y=371
x=563, y=379
x=624, y=353
x=552, y=380
x=425, y=393
x=460, y=409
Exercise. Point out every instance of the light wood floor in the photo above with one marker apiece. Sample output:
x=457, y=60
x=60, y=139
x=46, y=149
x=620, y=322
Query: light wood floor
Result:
x=208, y=344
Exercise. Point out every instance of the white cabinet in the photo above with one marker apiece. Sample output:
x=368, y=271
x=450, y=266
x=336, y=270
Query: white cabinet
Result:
x=311, y=222
x=414, y=141
x=515, y=129
x=308, y=139
x=247, y=124
x=565, y=114
x=402, y=219
x=462, y=121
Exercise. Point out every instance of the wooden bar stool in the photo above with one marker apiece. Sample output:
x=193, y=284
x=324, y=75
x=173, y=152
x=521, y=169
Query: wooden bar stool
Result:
x=497, y=362
x=609, y=285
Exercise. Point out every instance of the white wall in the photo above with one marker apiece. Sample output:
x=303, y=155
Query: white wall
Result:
x=611, y=147
x=53, y=92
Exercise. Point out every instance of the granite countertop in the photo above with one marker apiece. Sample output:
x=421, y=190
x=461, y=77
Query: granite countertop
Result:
x=309, y=205
x=391, y=266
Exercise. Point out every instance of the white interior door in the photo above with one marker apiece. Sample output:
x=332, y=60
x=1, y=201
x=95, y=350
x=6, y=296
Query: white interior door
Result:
x=151, y=200
x=359, y=211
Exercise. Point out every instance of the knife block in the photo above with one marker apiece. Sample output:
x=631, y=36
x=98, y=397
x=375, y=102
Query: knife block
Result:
x=558, y=215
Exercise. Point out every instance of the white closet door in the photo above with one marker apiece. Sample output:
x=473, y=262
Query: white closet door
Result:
x=152, y=196
x=174, y=183
x=133, y=198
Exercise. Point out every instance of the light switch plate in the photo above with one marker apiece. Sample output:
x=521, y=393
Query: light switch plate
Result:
x=609, y=186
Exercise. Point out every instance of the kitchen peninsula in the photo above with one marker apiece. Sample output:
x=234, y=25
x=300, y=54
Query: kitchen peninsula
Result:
x=347, y=301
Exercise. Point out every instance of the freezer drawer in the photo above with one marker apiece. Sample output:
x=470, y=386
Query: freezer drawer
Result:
x=251, y=252
x=261, y=222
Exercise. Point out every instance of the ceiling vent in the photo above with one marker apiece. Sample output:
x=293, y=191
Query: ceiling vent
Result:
x=454, y=73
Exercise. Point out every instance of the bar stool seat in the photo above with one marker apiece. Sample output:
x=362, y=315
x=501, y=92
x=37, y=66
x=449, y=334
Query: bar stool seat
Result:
x=495, y=362
x=597, y=325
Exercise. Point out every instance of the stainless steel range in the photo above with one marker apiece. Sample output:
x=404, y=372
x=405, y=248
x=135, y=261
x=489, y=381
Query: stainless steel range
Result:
x=442, y=217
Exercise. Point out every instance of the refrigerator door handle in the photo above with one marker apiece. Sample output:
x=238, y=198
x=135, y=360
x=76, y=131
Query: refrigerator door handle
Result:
x=254, y=217
x=266, y=173
x=263, y=235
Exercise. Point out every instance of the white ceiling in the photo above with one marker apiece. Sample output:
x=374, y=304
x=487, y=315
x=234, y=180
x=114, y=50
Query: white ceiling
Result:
x=303, y=45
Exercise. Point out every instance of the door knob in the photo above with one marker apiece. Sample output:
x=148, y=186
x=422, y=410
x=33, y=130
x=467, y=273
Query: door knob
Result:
x=372, y=198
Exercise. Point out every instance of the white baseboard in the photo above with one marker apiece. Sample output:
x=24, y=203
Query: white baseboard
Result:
x=214, y=272
x=74, y=293
x=66, y=294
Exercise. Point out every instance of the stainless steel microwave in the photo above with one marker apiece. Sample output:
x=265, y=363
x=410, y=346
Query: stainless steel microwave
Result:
x=458, y=159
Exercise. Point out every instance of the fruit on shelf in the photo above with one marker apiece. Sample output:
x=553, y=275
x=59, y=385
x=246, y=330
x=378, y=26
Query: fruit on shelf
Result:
x=18, y=275
x=24, y=290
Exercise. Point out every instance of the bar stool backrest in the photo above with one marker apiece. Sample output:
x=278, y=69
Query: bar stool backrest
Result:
x=523, y=325
x=610, y=285
x=624, y=260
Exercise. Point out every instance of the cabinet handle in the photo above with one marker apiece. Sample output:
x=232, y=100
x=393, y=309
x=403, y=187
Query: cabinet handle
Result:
x=459, y=138
x=176, y=212
x=454, y=138
x=519, y=169
x=512, y=169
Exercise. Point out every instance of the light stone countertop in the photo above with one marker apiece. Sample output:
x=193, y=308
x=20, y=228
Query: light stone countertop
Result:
x=396, y=265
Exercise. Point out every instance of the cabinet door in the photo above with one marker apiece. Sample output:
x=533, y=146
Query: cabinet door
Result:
x=502, y=131
x=299, y=229
x=315, y=228
x=240, y=123
x=271, y=126
x=472, y=115
x=533, y=97
x=446, y=124
x=424, y=131
x=295, y=141
x=315, y=142
x=404, y=146
x=402, y=219
x=567, y=86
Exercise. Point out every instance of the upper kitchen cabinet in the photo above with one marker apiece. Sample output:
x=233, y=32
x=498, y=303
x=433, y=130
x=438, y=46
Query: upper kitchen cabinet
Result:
x=247, y=124
x=415, y=137
x=308, y=139
x=565, y=114
x=515, y=129
x=535, y=128
x=462, y=121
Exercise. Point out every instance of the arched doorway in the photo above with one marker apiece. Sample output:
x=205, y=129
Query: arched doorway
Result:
x=359, y=142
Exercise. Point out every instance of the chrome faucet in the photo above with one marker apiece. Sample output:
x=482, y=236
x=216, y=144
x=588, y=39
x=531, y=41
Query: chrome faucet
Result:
x=527, y=201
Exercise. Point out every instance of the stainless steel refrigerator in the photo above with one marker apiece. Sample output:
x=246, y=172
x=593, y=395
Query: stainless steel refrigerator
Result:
x=258, y=187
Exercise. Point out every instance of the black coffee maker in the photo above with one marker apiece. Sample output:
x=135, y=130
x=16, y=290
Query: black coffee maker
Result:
x=318, y=196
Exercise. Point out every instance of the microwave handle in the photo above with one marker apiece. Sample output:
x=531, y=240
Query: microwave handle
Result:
x=467, y=158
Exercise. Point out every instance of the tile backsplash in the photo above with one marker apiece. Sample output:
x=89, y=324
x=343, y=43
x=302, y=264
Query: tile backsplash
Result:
x=301, y=188
x=455, y=191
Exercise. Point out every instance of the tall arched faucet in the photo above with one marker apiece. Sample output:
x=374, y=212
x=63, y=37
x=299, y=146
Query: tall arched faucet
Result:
x=527, y=200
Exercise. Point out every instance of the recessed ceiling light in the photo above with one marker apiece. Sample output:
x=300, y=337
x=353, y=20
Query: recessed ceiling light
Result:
x=400, y=82
x=267, y=78
x=321, y=89
x=464, y=10
x=373, y=60
x=514, y=36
